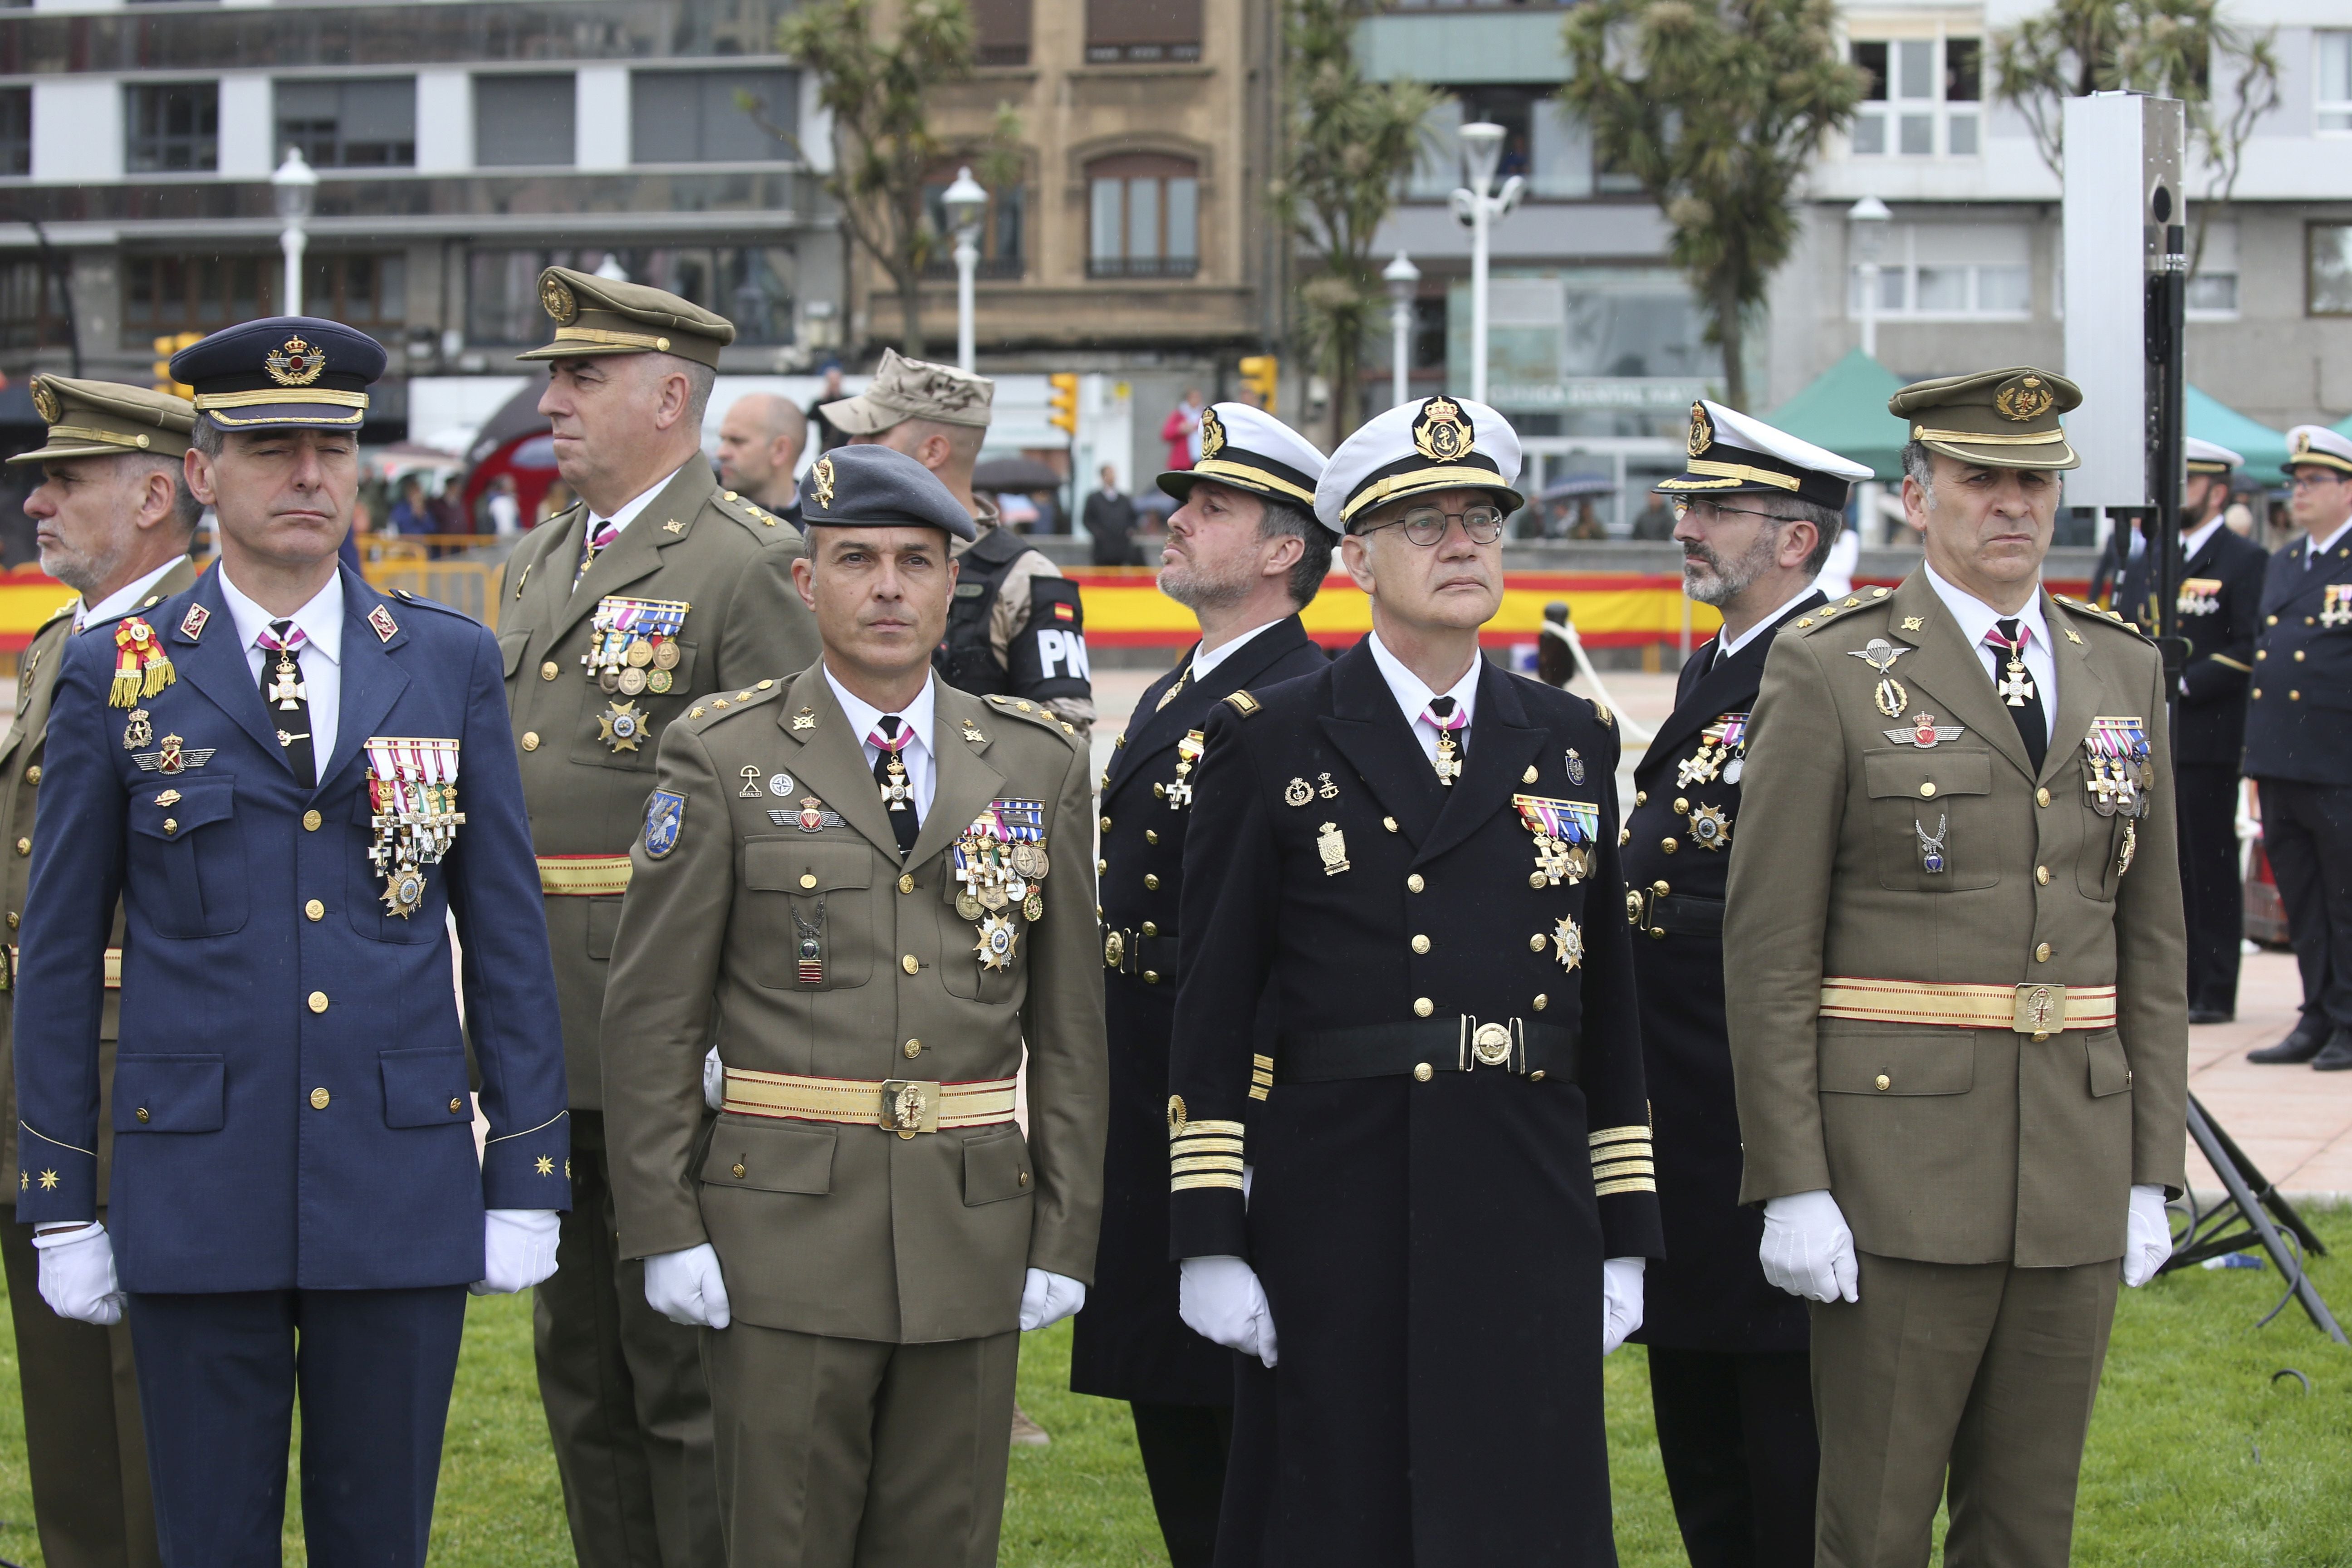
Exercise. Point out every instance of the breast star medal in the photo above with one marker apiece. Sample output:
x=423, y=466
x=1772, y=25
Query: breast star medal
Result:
x=1709, y=828
x=621, y=727
x=1568, y=942
x=1881, y=655
x=996, y=943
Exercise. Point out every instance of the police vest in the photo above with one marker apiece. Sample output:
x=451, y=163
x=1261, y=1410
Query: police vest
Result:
x=1047, y=658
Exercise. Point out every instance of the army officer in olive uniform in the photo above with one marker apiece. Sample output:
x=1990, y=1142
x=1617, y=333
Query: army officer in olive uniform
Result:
x=1958, y=1024
x=656, y=591
x=114, y=516
x=1756, y=514
x=871, y=889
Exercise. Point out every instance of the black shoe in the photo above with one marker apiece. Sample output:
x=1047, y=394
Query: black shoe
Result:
x=2338, y=1056
x=2310, y=1035
x=2211, y=1016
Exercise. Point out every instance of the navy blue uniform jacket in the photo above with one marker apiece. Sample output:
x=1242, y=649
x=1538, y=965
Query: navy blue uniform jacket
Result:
x=289, y=1094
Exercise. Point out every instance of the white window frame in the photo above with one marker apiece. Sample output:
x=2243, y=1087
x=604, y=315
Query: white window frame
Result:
x=1898, y=272
x=2222, y=259
x=1891, y=110
x=2332, y=56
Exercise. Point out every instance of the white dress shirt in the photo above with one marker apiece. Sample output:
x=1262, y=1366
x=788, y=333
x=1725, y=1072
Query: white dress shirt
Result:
x=628, y=514
x=1204, y=662
x=1724, y=650
x=918, y=756
x=320, y=657
x=1976, y=617
x=2193, y=541
x=1413, y=697
x=123, y=600
x=2314, y=548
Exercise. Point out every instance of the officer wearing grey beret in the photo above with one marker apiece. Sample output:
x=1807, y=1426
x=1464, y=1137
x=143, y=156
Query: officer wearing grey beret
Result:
x=899, y=873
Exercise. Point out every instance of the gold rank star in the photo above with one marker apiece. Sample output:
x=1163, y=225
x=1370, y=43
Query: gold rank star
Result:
x=48, y=1180
x=546, y=1166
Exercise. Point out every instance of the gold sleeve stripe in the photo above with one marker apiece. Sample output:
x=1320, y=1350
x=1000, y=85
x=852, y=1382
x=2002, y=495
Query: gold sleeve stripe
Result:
x=1259, y=1092
x=1207, y=1146
x=2233, y=664
x=1263, y=1063
x=1616, y=1168
x=1187, y=1183
x=1197, y=1129
x=1619, y=1135
x=1206, y=1163
x=1631, y=1184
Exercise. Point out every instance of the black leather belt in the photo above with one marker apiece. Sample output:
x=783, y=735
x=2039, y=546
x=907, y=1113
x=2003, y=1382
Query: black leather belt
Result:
x=1151, y=959
x=1425, y=1047
x=1684, y=914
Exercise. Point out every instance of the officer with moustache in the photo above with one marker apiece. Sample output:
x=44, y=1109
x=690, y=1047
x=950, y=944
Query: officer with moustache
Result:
x=2219, y=606
x=657, y=591
x=1426, y=1204
x=1246, y=555
x=1756, y=513
x=871, y=889
x=114, y=516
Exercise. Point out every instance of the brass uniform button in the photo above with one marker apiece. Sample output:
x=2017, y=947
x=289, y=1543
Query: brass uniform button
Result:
x=456, y=1104
x=171, y=826
x=1422, y=1007
x=1536, y=1076
x=2042, y=795
x=1152, y=977
x=910, y=963
x=2258, y=692
x=530, y=740
x=1623, y=833
x=1106, y=825
x=310, y=820
x=1151, y=835
x=1666, y=846
x=1542, y=1001
x=13, y=918
x=1150, y=928
x=1102, y=866
x=1414, y=884
x=549, y=670
x=2260, y=654
x=1682, y=806
x=2041, y=875
x=1022, y=1177
x=2041, y=954
x=2271, y=620
x=1389, y=823
x=906, y=881
x=808, y=879
x=317, y=1001
x=1159, y=792
x=141, y=1113
x=1420, y=943
x=315, y=909
x=2295, y=696
x=1641, y=798
x=1660, y=888
x=1885, y=1083
x=736, y=1170
x=2298, y=656
x=1537, y=881
x=24, y=847
x=1536, y=943
x=319, y=1099
x=1928, y=790
x=913, y=1049
x=33, y=774
x=1422, y=1072
x=1152, y=881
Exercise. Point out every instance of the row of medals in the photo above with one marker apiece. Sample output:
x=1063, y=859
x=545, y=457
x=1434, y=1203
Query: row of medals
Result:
x=643, y=665
x=996, y=876
x=406, y=841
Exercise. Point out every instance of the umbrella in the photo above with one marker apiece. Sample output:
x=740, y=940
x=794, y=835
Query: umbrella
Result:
x=1574, y=485
x=1016, y=476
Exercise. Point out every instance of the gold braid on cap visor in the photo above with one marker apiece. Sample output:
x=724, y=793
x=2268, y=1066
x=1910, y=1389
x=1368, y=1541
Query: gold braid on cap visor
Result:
x=1987, y=438
x=611, y=339
x=92, y=432
x=1242, y=473
x=1421, y=481
x=1725, y=475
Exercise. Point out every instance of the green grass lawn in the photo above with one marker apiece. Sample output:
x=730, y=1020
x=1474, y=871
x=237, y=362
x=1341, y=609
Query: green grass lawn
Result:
x=2196, y=1455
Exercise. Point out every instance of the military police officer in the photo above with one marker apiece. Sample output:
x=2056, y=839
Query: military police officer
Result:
x=114, y=518
x=657, y=591
x=293, y=782
x=1757, y=512
x=859, y=881
x=1426, y=1206
x=1958, y=1030
x=1244, y=554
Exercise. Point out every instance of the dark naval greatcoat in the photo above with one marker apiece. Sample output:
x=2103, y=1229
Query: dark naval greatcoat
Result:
x=1449, y=1136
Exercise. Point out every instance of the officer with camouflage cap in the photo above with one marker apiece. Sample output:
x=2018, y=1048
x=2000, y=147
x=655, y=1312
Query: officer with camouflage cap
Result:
x=616, y=616
x=1017, y=626
x=1954, y=954
x=872, y=889
x=114, y=518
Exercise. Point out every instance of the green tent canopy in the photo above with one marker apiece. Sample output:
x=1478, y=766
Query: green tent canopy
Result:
x=1844, y=410
x=2210, y=419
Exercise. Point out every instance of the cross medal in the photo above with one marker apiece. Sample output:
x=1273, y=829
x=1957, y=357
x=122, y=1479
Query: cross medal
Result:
x=286, y=688
x=1449, y=763
x=2016, y=689
x=896, y=792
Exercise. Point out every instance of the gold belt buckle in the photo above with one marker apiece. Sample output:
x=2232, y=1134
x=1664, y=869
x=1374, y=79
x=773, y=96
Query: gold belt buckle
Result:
x=1114, y=948
x=1491, y=1044
x=909, y=1106
x=2039, y=1010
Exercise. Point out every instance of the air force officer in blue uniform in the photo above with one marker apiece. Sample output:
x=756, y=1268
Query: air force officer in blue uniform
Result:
x=290, y=781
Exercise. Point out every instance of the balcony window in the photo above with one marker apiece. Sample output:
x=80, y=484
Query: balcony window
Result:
x=2334, y=97
x=1144, y=217
x=1142, y=31
x=172, y=126
x=2328, y=283
x=2213, y=291
x=524, y=120
x=165, y=294
x=1952, y=272
x=1004, y=30
x=753, y=287
x=700, y=117
x=32, y=305
x=999, y=230
x=350, y=124
x=1541, y=140
x=1923, y=97
x=16, y=129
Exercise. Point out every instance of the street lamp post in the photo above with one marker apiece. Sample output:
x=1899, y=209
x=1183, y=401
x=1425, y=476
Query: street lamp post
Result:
x=1866, y=222
x=966, y=203
x=297, y=188
x=1403, y=279
x=1479, y=206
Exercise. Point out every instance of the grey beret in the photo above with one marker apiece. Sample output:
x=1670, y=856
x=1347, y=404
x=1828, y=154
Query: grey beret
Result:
x=880, y=486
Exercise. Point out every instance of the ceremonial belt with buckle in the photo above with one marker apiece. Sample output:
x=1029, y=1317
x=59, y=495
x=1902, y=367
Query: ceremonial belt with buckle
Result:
x=113, y=969
x=1131, y=952
x=584, y=876
x=1683, y=914
x=904, y=1106
x=2032, y=1008
x=1427, y=1046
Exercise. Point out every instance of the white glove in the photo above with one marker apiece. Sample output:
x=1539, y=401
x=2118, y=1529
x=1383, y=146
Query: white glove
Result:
x=1807, y=1249
x=518, y=1250
x=2148, y=1236
x=1219, y=1300
x=77, y=1275
x=1621, y=1301
x=714, y=1080
x=687, y=1288
x=1047, y=1299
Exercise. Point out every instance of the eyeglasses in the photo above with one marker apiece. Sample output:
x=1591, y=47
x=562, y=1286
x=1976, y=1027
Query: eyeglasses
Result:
x=1425, y=525
x=2312, y=482
x=1682, y=508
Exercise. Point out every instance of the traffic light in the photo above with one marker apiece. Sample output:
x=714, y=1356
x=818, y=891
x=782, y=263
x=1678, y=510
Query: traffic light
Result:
x=165, y=347
x=1063, y=401
x=1259, y=373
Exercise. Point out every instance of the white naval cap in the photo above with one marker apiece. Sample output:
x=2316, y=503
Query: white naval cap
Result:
x=2317, y=446
x=1250, y=449
x=1729, y=452
x=2209, y=457
x=1439, y=443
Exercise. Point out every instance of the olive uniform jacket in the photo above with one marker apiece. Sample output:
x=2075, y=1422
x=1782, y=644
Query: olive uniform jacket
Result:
x=837, y=1227
x=20, y=780
x=1944, y=1143
x=586, y=784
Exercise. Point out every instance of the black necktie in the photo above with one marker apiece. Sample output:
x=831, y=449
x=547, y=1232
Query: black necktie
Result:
x=898, y=783
x=2007, y=646
x=288, y=699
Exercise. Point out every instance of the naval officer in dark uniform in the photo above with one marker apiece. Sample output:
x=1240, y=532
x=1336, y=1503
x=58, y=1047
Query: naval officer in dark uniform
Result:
x=1427, y=1205
x=2299, y=748
x=1244, y=554
x=1756, y=514
x=291, y=783
x=2219, y=610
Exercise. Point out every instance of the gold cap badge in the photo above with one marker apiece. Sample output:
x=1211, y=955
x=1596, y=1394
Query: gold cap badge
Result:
x=1212, y=433
x=1442, y=434
x=2023, y=398
x=820, y=482
x=297, y=363
x=1702, y=431
x=44, y=401
x=555, y=299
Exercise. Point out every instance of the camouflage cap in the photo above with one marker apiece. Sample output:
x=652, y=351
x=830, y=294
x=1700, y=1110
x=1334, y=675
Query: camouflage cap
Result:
x=108, y=419
x=905, y=389
x=2000, y=418
x=596, y=315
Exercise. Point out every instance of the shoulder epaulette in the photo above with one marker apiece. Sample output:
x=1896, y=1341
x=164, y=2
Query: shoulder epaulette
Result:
x=1037, y=713
x=2103, y=617
x=1243, y=703
x=1837, y=611
x=761, y=522
x=422, y=603
x=717, y=705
